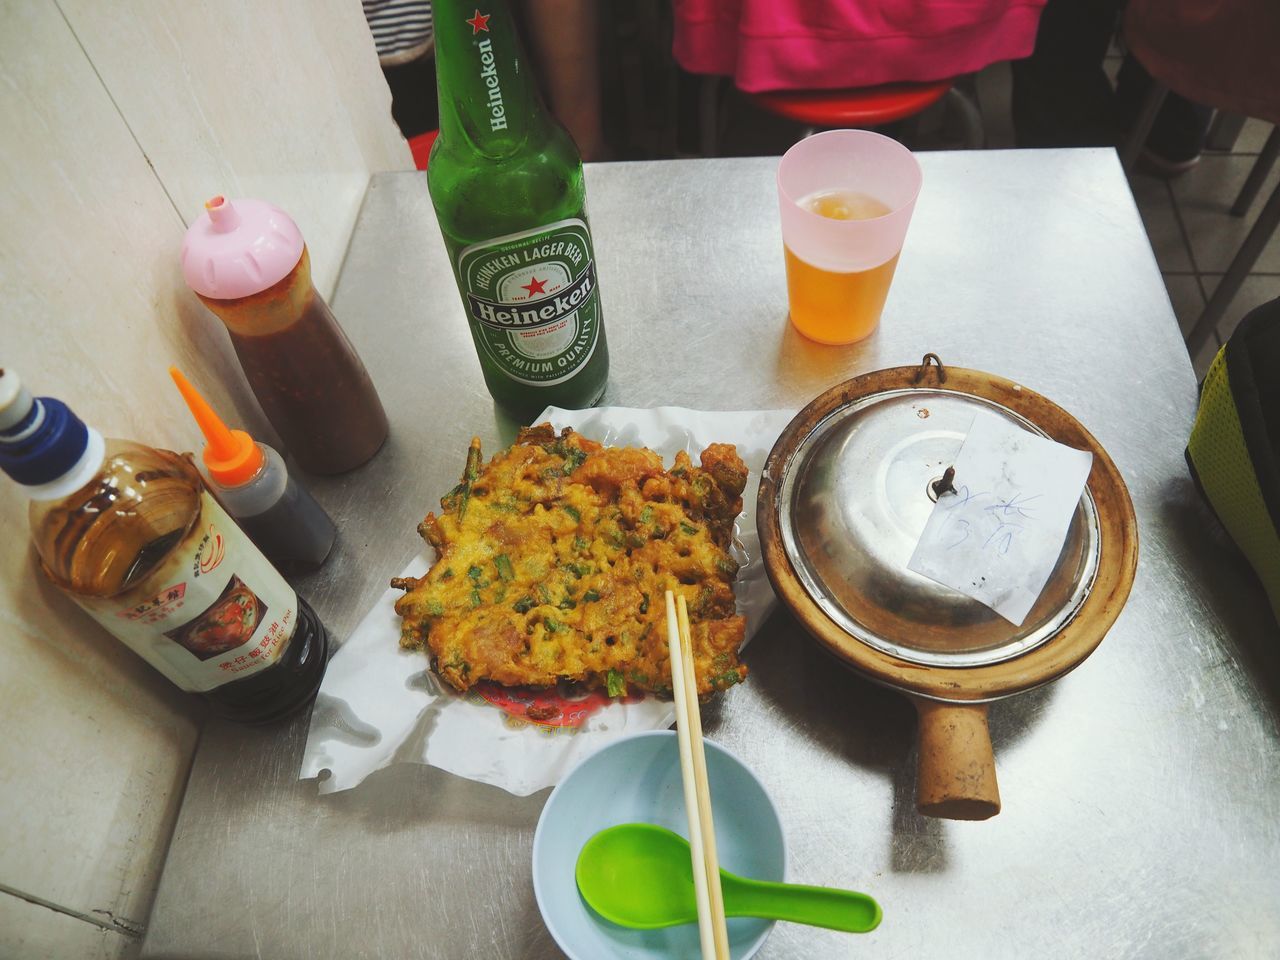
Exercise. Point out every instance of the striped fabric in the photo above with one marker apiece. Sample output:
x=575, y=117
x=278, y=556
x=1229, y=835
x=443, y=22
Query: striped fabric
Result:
x=401, y=28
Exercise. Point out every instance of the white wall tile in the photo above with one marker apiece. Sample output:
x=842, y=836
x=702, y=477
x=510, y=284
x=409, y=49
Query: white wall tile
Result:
x=95, y=305
x=252, y=99
x=96, y=745
x=94, y=758
x=100, y=162
x=31, y=932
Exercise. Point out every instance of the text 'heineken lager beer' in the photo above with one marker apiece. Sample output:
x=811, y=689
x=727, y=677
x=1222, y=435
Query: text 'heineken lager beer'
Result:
x=506, y=182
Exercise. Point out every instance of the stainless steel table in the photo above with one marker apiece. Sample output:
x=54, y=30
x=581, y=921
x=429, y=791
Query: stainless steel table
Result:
x=1141, y=793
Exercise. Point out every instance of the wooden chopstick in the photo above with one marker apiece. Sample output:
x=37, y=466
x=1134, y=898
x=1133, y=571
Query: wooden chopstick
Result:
x=710, y=857
x=684, y=738
x=712, y=931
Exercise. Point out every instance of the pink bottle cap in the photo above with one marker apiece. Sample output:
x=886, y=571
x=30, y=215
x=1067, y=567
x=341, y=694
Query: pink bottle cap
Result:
x=236, y=249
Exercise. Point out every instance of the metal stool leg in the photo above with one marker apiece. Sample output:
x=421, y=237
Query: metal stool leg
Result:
x=1138, y=136
x=1225, y=130
x=1258, y=175
x=975, y=135
x=1268, y=219
x=709, y=115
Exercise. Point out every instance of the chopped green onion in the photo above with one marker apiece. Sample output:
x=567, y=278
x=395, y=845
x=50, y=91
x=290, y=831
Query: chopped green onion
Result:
x=615, y=683
x=703, y=601
x=503, y=564
x=469, y=476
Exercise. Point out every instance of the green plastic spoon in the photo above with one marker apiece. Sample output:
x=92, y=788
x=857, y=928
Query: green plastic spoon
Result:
x=640, y=875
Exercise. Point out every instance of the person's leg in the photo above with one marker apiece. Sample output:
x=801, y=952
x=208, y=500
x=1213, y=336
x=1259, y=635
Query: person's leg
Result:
x=413, y=95
x=1061, y=96
x=565, y=35
x=1181, y=128
x=402, y=35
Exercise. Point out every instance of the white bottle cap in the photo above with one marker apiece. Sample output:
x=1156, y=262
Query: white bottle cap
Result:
x=15, y=401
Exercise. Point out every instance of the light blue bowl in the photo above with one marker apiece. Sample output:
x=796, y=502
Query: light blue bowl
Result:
x=637, y=780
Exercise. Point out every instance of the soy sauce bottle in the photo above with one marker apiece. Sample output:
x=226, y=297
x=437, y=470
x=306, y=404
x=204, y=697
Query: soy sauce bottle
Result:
x=130, y=533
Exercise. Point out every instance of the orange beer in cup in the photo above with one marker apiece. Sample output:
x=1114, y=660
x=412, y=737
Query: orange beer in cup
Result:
x=846, y=197
x=835, y=306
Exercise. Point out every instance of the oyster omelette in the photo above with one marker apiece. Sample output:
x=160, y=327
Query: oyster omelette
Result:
x=554, y=559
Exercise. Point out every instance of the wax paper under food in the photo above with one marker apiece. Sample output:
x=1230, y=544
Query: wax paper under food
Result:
x=380, y=705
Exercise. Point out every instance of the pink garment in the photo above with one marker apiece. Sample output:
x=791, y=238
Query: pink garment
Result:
x=832, y=44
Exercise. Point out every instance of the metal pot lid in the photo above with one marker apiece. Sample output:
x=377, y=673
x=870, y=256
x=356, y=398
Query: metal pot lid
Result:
x=853, y=500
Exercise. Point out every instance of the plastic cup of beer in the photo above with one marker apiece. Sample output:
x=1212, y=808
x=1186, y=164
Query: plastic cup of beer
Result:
x=846, y=198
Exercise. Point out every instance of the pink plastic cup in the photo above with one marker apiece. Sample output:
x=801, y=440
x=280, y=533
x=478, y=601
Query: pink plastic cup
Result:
x=839, y=270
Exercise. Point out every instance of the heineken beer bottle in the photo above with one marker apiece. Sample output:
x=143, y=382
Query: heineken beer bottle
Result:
x=506, y=183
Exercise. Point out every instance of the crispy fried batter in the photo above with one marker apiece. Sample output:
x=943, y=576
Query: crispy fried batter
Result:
x=554, y=559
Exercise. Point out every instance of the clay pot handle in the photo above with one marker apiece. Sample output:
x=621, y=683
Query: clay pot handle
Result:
x=957, y=779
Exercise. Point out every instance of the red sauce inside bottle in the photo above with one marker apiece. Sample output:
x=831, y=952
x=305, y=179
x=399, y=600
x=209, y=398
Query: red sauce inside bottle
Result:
x=305, y=373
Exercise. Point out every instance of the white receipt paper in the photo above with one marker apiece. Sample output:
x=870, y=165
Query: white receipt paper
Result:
x=997, y=537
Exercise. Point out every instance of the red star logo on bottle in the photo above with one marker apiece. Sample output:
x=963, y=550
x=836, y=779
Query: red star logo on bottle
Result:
x=479, y=21
x=535, y=286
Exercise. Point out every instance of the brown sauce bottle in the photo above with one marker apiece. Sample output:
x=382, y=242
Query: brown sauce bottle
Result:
x=301, y=366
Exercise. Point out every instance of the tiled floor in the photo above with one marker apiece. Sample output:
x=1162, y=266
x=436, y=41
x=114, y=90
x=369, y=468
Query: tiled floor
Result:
x=1195, y=237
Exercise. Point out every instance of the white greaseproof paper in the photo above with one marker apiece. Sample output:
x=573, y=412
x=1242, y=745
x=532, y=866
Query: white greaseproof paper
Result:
x=380, y=705
x=997, y=537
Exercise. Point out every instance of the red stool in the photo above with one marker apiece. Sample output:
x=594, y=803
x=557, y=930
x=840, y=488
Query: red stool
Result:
x=856, y=107
x=861, y=107
x=420, y=146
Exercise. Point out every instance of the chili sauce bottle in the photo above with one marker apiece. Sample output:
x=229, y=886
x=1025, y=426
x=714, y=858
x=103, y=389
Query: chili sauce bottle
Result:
x=506, y=182
x=130, y=534
x=251, y=481
x=246, y=261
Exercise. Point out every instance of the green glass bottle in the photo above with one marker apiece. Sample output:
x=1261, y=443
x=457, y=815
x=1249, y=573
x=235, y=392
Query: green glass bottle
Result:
x=506, y=182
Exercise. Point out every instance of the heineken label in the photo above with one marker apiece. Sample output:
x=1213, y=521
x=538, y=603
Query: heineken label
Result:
x=532, y=301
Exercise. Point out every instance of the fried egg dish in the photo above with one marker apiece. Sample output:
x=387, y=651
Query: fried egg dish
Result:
x=553, y=560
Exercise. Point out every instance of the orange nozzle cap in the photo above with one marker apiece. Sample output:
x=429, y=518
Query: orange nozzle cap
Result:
x=231, y=456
